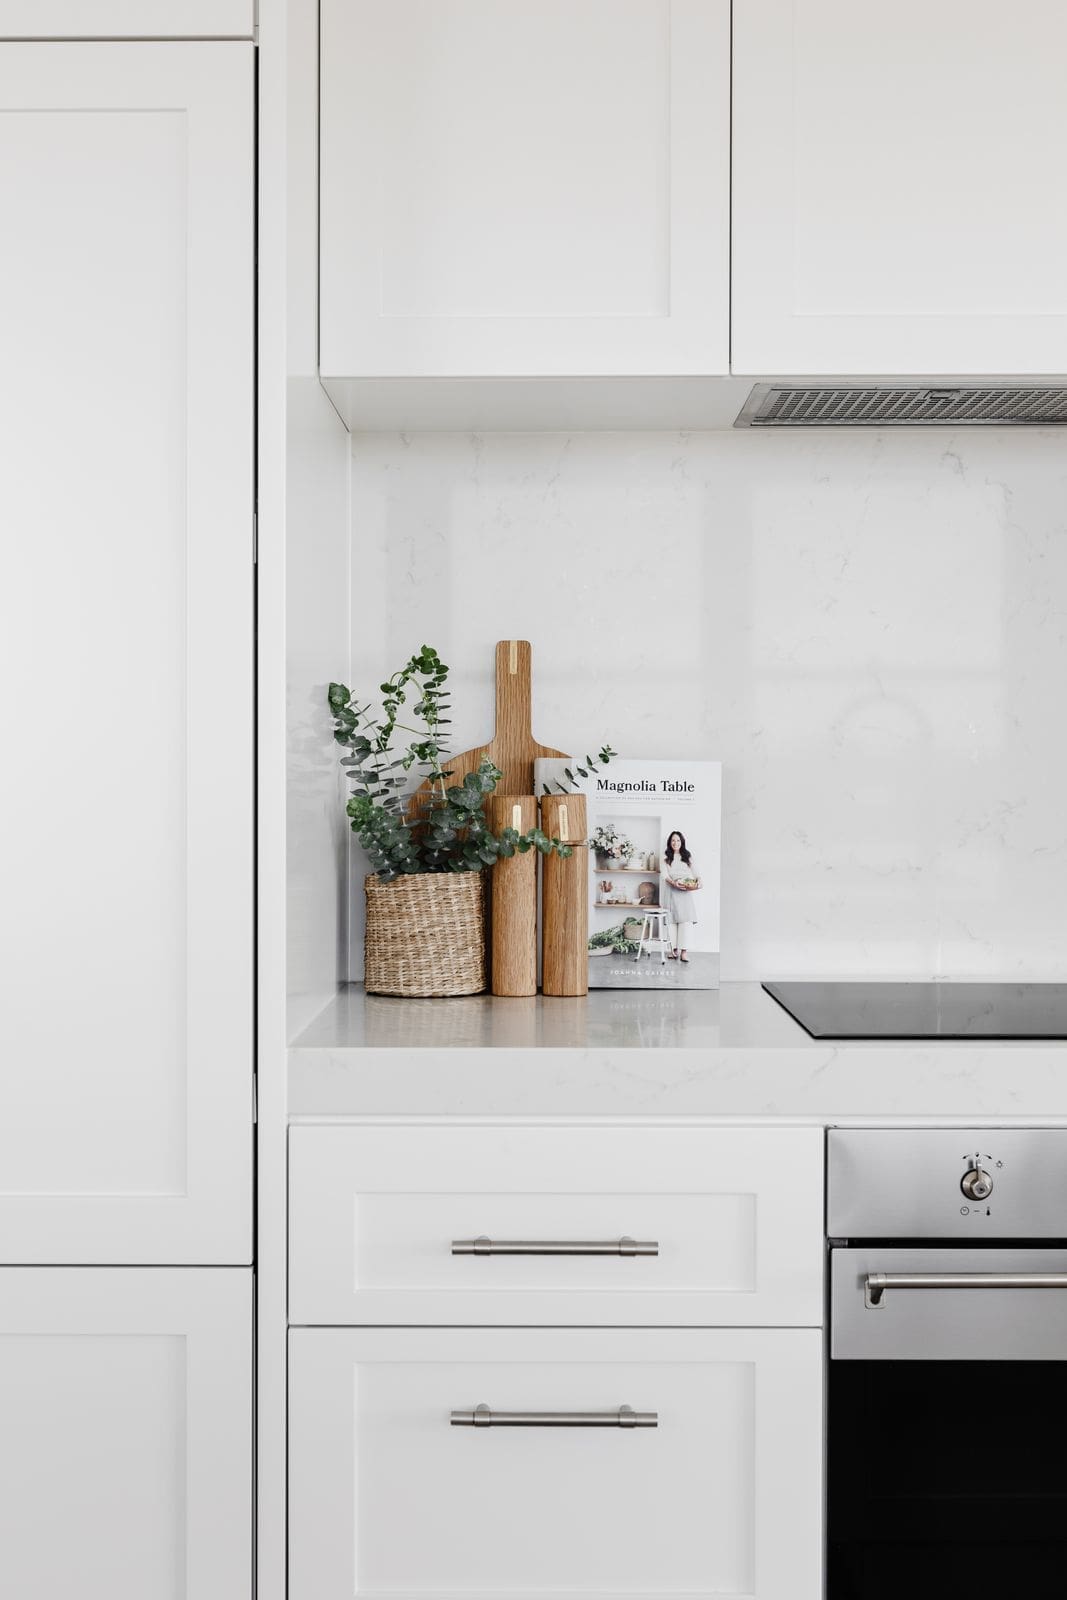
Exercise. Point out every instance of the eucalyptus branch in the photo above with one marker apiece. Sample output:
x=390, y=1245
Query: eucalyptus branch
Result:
x=604, y=755
x=447, y=831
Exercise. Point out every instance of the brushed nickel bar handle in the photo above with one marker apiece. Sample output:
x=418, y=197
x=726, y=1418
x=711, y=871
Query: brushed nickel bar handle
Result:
x=484, y=1417
x=877, y=1283
x=484, y=1246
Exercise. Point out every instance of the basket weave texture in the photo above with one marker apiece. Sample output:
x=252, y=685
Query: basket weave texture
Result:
x=425, y=934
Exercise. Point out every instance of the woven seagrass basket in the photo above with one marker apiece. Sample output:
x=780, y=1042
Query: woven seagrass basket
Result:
x=425, y=934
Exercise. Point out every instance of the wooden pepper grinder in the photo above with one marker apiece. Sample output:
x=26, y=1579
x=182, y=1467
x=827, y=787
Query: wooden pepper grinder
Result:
x=514, y=900
x=565, y=898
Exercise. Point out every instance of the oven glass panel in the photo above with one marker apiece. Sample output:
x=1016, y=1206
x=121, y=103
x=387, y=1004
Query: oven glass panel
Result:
x=947, y=1477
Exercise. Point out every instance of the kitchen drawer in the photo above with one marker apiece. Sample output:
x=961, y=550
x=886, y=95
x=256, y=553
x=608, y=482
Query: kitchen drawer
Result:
x=735, y=1216
x=722, y=1497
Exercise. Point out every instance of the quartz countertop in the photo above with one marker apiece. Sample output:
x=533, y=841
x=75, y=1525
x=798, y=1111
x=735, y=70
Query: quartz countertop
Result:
x=731, y=1053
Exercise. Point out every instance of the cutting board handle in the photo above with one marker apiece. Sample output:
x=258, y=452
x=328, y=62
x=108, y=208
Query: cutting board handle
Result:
x=513, y=688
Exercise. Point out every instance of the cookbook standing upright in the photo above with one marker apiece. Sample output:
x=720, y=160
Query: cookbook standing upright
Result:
x=655, y=846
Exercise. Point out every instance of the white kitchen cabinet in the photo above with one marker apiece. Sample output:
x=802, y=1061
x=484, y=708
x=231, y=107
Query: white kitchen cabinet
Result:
x=524, y=187
x=126, y=412
x=897, y=181
x=126, y=1444
x=729, y=1221
x=722, y=1498
x=116, y=19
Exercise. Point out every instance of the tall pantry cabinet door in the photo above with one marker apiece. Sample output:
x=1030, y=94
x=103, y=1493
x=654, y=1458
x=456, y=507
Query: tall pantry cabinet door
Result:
x=537, y=188
x=126, y=297
x=126, y=1445
x=897, y=182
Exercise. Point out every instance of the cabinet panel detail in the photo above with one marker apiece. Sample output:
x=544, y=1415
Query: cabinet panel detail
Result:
x=735, y=1216
x=722, y=1497
x=524, y=189
x=126, y=410
x=891, y=184
x=126, y=1447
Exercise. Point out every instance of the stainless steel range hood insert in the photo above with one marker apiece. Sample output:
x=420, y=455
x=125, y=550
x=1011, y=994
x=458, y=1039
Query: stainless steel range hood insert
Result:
x=780, y=405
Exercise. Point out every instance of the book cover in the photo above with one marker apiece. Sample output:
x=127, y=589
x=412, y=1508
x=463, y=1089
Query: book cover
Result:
x=654, y=868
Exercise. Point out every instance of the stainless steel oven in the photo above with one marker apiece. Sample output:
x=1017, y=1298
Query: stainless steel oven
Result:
x=947, y=1409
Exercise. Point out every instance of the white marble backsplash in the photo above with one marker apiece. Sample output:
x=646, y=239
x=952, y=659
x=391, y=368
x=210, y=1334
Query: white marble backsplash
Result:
x=868, y=628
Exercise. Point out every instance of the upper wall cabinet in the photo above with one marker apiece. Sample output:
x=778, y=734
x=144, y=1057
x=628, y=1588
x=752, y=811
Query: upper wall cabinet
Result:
x=897, y=187
x=524, y=187
x=126, y=640
x=126, y=19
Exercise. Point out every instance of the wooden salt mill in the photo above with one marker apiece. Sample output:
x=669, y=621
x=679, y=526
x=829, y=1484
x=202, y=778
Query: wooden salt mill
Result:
x=565, y=898
x=513, y=953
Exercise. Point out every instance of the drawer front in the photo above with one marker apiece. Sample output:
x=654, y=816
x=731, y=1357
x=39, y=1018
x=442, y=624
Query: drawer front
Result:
x=425, y=1224
x=722, y=1497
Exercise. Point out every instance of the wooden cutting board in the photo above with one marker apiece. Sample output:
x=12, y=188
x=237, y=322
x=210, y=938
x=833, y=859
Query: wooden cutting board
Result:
x=513, y=746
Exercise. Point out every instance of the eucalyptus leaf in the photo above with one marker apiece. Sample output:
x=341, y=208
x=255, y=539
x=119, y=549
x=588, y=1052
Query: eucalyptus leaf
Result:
x=448, y=832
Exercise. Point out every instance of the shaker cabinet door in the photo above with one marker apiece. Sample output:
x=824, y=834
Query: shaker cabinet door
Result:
x=897, y=184
x=721, y=1498
x=126, y=1444
x=536, y=188
x=396, y=1225
x=126, y=325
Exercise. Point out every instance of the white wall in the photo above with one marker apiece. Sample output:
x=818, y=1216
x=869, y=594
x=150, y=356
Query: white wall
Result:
x=316, y=563
x=317, y=623
x=867, y=628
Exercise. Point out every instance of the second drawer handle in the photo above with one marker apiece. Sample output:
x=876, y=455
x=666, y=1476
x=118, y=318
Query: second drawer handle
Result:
x=483, y=1246
x=484, y=1417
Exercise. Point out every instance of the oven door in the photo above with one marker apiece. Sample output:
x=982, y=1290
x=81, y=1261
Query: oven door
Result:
x=947, y=1402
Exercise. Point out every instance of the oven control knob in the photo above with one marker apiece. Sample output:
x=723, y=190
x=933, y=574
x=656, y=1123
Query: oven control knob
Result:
x=977, y=1184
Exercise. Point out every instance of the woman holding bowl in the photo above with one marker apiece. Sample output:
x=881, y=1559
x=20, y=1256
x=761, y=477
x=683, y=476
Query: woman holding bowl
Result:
x=681, y=883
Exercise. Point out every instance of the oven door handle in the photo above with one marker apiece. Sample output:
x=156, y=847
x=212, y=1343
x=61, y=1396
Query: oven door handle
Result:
x=877, y=1283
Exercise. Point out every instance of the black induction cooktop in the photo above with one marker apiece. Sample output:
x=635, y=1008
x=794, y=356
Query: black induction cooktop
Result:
x=857, y=1010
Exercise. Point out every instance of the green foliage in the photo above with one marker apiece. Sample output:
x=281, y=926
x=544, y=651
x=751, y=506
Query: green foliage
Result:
x=604, y=755
x=444, y=832
x=615, y=940
x=369, y=739
x=608, y=841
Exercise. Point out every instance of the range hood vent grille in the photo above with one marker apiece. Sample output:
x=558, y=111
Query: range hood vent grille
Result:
x=773, y=405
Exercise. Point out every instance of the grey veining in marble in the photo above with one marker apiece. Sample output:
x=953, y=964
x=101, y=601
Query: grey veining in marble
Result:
x=738, y=1015
x=869, y=630
x=733, y=1053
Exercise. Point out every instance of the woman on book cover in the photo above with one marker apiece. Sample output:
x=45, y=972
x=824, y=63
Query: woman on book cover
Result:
x=681, y=883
